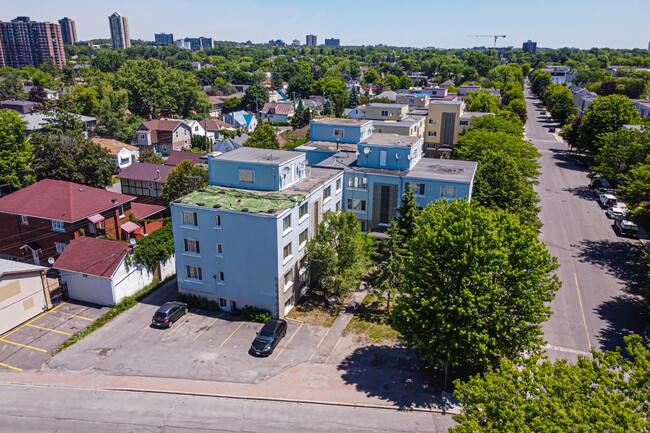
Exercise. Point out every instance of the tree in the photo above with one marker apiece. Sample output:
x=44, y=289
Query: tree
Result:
x=560, y=104
x=518, y=107
x=405, y=82
x=498, y=124
x=108, y=61
x=255, y=97
x=178, y=184
x=80, y=100
x=200, y=143
x=620, y=151
x=11, y=87
x=16, y=151
x=300, y=85
x=156, y=247
x=606, y=393
x=389, y=272
x=338, y=254
x=276, y=81
x=148, y=156
x=328, y=108
x=38, y=94
x=391, y=81
x=476, y=288
x=570, y=131
x=482, y=102
x=231, y=104
x=263, y=137
x=372, y=77
x=354, y=98
x=334, y=90
x=605, y=114
x=408, y=213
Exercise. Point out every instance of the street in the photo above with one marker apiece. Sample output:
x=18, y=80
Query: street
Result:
x=597, y=305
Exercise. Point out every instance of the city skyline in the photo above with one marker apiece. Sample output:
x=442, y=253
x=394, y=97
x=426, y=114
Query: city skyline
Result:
x=360, y=23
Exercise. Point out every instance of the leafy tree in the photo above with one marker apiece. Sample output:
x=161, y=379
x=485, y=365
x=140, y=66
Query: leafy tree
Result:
x=231, y=104
x=156, y=247
x=620, y=151
x=605, y=114
x=498, y=124
x=405, y=82
x=108, y=61
x=328, y=108
x=518, y=106
x=482, y=102
x=11, y=87
x=300, y=85
x=408, y=212
x=389, y=272
x=560, y=104
x=276, y=81
x=200, y=143
x=338, y=254
x=608, y=392
x=570, y=131
x=148, y=156
x=80, y=100
x=391, y=81
x=255, y=97
x=38, y=94
x=476, y=288
x=263, y=137
x=354, y=98
x=335, y=90
x=16, y=151
x=372, y=77
x=178, y=184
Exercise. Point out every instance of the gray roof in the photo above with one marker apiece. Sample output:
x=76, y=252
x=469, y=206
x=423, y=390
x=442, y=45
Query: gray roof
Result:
x=36, y=121
x=340, y=121
x=385, y=105
x=391, y=140
x=386, y=94
x=326, y=146
x=406, y=122
x=12, y=267
x=260, y=156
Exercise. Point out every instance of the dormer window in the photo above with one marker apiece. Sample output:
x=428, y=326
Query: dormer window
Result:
x=384, y=113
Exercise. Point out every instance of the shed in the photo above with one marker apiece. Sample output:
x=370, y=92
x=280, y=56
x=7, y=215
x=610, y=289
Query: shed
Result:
x=22, y=293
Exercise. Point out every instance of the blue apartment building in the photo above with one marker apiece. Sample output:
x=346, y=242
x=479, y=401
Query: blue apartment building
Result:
x=333, y=129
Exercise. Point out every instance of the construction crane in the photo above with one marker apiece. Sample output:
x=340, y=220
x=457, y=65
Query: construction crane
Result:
x=488, y=36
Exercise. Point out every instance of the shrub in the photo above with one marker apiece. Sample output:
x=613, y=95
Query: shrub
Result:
x=254, y=314
x=200, y=302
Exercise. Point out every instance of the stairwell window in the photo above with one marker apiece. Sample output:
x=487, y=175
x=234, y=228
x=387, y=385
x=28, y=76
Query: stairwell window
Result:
x=189, y=218
x=327, y=193
x=356, y=205
x=303, y=211
x=286, y=252
x=418, y=188
x=288, y=280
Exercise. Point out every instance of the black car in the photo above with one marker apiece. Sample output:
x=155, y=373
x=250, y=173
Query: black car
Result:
x=268, y=337
x=168, y=313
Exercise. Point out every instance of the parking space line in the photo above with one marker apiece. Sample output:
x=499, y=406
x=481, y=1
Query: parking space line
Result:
x=22, y=345
x=48, y=329
x=333, y=349
x=11, y=367
x=174, y=330
x=84, y=318
x=233, y=333
x=37, y=317
x=208, y=327
x=319, y=343
x=285, y=346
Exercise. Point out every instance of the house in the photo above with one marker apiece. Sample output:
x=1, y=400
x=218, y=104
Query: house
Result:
x=380, y=111
x=560, y=74
x=242, y=120
x=341, y=130
x=23, y=107
x=144, y=180
x=36, y=122
x=437, y=92
x=643, y=107
x=358, y=112
x=229, y=144
x=178, y=156
x=124, y=154
x=388, y=94
x=164, y=135
x=394, y=119
x=413, y=99
x=97, y=271
x=259, y=210
x=277, y=112
x=582, y=98
x=22, y=293
x=465, y=88
x=38, y=221
x=216, y=126
x=317, y=151
x=197, y=128
x=277, y=96
x=217, y=103
x=315, y=106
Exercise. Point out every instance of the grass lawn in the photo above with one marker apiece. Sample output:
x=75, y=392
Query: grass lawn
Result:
x=314, y=309
x=371, y=320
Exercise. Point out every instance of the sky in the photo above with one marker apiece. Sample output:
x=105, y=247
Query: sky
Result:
x=413, y=23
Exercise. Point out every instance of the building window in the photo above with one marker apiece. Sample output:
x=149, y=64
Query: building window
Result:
x=418, y=188
x=464, y=123
x=327, y=192
x=288, y=280
x=357, y=182
x=363, y=226
x=286, y=224
x=433, y=134
x=58, y=226
x=411, y=101
x=23, y=219
x=286, y=251
x=217, y=220
x=192, y=246
x=223, y=303
x=433, y=122
x=219, y=249
x=384, y=113
x=339, y=182
x=303, y=210
x=121, y=211
x=302, y=239
x=448, y=191
x=357, y=205
x=60, y=247
x=222, y=277
x=247, y=175
x=194, y=273
x=338, y=133
x=337, y=208
x=302, y=265
x=189, y=218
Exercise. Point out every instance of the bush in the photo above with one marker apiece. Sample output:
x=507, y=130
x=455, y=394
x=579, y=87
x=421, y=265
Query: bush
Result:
x=254, y=314
x=200, y=302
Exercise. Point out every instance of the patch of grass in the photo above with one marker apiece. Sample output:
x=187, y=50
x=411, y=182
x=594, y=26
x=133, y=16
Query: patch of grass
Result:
x=372, y=320
x=315, y=310
x=127, y=303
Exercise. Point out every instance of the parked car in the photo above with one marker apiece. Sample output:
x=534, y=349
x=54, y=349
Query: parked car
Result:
x=607, y=200
x=597, y=181
x=543, y=113
x=269, y=337
x=614, y=212
x=168, y=313
x=551, y=129
x=626, y=227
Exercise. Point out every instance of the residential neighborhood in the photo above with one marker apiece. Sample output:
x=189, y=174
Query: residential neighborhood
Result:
x=212, y=235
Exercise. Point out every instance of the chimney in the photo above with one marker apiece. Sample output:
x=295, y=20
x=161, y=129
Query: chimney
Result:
x=157, y=175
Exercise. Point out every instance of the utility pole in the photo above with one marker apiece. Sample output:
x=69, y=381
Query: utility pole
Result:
x=205, y=126
x=195, y=178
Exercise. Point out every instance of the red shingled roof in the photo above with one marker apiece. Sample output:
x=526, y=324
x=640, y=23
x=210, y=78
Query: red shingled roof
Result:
x=279, y=108
x=92, y=256
x=178, y=156
x=214, y=124
x=144, y=210
x=146, y=172
x=60, y=200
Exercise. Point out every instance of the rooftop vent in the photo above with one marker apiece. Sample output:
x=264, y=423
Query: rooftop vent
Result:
x=201, y=189
x=200, y=204
x=114, y=200
x=244, y=209
x=222, y=191
x=239, y=195
x=271, y=211
x=178, y=200
x=81, y=190
x=216, y=206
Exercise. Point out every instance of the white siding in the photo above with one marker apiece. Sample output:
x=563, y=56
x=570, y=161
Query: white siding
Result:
x=168, y=268
x=127, y=280
x=21, y=298
x=89, y=288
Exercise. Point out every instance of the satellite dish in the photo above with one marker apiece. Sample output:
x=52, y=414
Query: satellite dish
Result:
x=409, y=157
x=132, y=241
x=51, y=260
x=397, y=156
x=366, y=150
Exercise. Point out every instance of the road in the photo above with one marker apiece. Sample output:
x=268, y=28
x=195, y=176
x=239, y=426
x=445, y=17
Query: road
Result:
x=597, y=305
x=52, y=409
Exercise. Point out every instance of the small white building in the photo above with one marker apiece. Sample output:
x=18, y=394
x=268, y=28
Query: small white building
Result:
x=196, y=128
x=124, y=154
x=22, y=293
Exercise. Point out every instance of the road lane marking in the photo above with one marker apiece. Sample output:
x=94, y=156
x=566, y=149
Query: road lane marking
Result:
x=567, y=350
x=48, y=329
x=582, y=311
x=37, y=317
x=321, y=342
x=233, y=333
x=174, y=330
x=208, y=327
x=285, y=346
x=22, y=345
x=11, y=367
x=333, y=349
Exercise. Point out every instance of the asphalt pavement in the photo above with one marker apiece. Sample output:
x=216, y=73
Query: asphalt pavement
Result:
x=598, y=303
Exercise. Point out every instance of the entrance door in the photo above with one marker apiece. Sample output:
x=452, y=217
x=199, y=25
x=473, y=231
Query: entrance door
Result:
x=384, y=205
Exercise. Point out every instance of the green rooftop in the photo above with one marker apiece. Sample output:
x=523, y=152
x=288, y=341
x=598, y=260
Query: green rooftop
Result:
x=238, y=200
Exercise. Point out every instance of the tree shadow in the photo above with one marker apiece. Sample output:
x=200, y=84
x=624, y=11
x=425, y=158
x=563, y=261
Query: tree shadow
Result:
x=165, y=293
x=582, y=191
x=391, y=373
x=618, y=258
x=625, y=315
x=564, y=161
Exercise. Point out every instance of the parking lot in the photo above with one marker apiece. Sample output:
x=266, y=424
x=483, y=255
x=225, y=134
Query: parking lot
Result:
x=200, y=345
x=27, y=346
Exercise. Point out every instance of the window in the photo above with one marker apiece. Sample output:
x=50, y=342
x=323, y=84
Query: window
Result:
x=339, y=182
x=223, y=303
x=219, y=249
x=288, y=280
x=338, y=133
x=327, y=192
x=194, y=273
x=189, y=218
x=302, y=265
x=23, y=219
x=433, y=122
x=411, y=101
x=357, y=182
x=58, y=226
x=357, y=205
x=247, y=175
x=433, y=134
x=338, y=206
x=286, y=251
x=60, y=247
x=192, y=246
x=222, y=277
x=196, y=128
x=384, y=113
x=286, y=224
x=217, y=220
x=302, y=239
x=464, y=123
x=418, y=188
x=363, y=225
x=448, y=191
x=303, y=210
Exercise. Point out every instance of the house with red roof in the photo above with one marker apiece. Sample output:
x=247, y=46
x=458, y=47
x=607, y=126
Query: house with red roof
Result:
x=278, y=112
x=145, y=180
x=38, y=221
x=163, y=135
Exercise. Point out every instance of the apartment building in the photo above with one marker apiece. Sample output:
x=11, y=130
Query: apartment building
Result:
x=119, y=26
x=29, y=43
x=68, y=31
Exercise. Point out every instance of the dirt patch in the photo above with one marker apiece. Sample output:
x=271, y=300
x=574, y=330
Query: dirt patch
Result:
x=373, y=321
x=316, y=310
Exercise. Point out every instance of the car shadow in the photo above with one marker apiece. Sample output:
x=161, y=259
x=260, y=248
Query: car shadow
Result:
x=391, y=373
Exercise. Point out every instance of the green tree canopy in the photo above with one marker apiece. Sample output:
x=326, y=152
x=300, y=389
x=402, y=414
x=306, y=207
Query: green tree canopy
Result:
x=263, y=137
x=148, y=156
x=335, y=90
x=511, y=126
x=255, y=97
x=300, y=85
x=16, y=152
x=620, y=151
x=605, y=114
x=178, y=184
x=408, y=212
x=482, y=102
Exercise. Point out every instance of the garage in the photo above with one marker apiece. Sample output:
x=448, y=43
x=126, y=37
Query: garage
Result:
x=22, y=295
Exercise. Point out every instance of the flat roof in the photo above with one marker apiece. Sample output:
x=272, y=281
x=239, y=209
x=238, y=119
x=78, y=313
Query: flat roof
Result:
x=383, y=139
x=260, y=156
x=339, y=121
x=406, y=122
x=385, y=105
x=467, y=114
x=327, y=146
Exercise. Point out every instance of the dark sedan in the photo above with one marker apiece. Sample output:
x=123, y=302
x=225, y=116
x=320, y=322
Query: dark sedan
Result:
x=269, y=337
x=168, y=313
